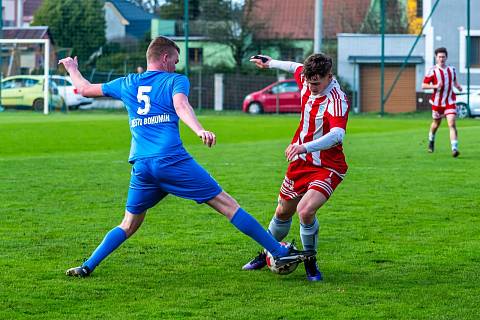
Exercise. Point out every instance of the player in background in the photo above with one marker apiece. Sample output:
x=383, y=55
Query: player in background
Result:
x=155, y=101
x=317, y=163
x=442, y=78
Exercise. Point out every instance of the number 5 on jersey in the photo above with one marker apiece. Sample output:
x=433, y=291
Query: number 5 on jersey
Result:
x=142, y=96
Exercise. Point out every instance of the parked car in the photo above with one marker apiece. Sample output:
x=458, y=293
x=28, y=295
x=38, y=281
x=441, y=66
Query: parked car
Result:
x=27, y=91
x=463, y=110
x=281, y=96
x=69, y=93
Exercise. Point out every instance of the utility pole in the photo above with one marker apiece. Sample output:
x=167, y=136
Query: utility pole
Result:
x=318, y=32
x=382, y=59
x=468, y=53
x=186, y=31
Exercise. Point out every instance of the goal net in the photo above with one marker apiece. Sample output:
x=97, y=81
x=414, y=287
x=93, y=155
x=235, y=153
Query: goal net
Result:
x=26, y=84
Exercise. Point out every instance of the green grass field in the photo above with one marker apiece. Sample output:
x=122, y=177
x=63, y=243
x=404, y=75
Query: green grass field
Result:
x=399, y=238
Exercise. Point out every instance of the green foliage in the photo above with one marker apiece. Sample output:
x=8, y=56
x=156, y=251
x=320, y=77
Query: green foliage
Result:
x=395, y=18
x=79, y=25
x=173, y=9
x=398, y=240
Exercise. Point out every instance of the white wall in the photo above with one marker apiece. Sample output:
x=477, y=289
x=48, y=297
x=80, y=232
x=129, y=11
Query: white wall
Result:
x=114, y=27
x=350, y=44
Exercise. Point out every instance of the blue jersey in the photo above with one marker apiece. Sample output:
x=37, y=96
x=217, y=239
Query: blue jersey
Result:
x=153, y=121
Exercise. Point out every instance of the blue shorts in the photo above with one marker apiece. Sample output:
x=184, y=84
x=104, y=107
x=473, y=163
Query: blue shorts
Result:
x=153, y=178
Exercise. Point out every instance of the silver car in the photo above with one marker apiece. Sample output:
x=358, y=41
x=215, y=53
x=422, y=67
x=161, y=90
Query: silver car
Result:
x=465, y=111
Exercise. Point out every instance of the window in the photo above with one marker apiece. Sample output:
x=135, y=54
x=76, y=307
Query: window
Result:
x=285, y=87
x=195, y=55
x=10, y=84
x=475, y=52
x=61, y=82
x=29, y=82
x=419, y=8
x=292, y=54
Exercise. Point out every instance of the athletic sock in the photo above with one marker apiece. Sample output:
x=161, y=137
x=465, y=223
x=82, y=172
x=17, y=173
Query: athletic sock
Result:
x=247, y=224
x=454, y=144
x=279, y=228
x=113, y=239
x=431, y=136
x=309, y=235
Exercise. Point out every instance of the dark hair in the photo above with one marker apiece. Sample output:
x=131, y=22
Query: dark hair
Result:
x=161, y=45
x=317, y=64
x=441, y=50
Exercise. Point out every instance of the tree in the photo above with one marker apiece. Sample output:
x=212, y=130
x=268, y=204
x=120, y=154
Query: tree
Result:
x=79, y=25
x=173, y=9
x=236, y=27
x=395, y=18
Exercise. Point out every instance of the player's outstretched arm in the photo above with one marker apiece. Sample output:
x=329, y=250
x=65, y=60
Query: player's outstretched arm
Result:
x=265, y=62
x=84, y=87
x=187, y=115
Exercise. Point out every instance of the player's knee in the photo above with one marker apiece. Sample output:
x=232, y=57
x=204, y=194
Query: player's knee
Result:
x=306, y=213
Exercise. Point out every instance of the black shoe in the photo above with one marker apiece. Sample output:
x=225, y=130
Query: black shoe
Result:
x=293, y=256
x=455, y=153
x=78, y=272
x=257, y=263
x=311, y=268
x=431, y=146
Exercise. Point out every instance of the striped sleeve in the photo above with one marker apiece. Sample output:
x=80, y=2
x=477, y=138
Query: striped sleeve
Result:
x=430, y=76
x=338, y=109
x=299, y=77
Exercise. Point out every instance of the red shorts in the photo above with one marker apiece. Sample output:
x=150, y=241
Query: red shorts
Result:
x=302, y=177
x=440, y=112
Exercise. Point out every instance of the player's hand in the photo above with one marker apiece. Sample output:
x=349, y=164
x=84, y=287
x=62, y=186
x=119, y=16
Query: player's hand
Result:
x=207, y=137
x=261, y=61
x=437, y=86
x=69, y=64
x=459, y=88
x=293, y=150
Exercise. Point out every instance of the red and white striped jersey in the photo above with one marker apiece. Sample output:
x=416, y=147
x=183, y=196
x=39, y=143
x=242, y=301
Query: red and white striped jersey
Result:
x=320, y=113
x=447, y=76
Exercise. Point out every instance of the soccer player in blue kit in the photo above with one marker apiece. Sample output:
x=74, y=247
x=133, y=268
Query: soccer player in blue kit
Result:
x=155, y=101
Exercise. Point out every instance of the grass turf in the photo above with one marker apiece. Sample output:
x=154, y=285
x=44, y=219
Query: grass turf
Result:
x=399, y=238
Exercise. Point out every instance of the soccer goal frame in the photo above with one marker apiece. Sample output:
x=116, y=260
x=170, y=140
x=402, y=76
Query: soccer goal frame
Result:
x=46, y=43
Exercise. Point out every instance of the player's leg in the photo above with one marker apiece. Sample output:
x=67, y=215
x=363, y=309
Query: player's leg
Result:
x=279, y=227
x=322, y=185
x=112, y=240
x=187, y=179
x=281, y=222
x=244, y=222
x=453, y=134
x=437, y=119
x=141, y=196
x=309, y=227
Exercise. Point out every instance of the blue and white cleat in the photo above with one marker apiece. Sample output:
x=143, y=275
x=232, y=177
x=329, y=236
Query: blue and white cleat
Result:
x=82, y=272
x=257, y=263
x=311, y=268
x=293, y=256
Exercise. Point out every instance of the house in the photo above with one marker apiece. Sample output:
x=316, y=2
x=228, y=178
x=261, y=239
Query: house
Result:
x=19, y=13
x=286, y=32
x=292, y=21
x=126, y=20
x=359, y=57
x=26, y=58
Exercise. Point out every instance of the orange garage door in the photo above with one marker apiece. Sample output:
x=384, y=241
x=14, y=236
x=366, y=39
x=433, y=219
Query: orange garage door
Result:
x=403, y=97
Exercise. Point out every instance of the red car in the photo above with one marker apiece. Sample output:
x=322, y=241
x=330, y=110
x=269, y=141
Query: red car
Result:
x=281, y=96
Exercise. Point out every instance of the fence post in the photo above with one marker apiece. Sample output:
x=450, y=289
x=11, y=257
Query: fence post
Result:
x=218, y=83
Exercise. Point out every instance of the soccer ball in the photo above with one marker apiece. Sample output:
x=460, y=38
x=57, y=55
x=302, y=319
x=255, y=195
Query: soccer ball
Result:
x=283, y=270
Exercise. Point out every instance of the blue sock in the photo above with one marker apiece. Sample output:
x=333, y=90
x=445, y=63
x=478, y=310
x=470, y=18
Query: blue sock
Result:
x=247, y=224
x=112, y=240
